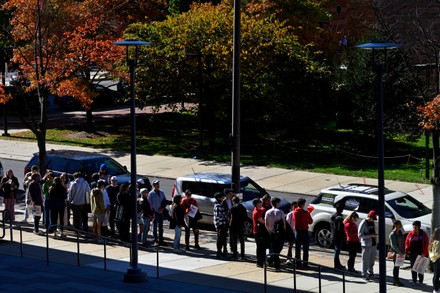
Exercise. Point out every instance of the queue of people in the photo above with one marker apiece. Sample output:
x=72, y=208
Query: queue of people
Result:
x=52, y=198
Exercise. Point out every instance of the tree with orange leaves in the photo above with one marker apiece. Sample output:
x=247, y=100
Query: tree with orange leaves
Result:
x=56, y=45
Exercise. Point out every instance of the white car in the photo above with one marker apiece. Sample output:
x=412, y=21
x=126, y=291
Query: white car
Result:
x=362, y=199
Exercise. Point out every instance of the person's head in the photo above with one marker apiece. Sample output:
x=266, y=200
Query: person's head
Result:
x=140, y=183
x=156, y=184
x=397, y=225
x=275, y=201
x=188, y=193
x=103, y=167
x=144, y=192
x=63, y=177
x=301, y=202
x=95, y=177
x=124, y=187
x=9, y=173
x=219, y=196
x=35, y=169
x=294, y=205
x=339, y=208
x=77, y=175
x=235, y=200
x=416, y=226
x=266, y=199
x=177, y=199
x=56, y=181
x=257, y=203
x=372, y=216
x=114, y=181
x=101, y=183
x=353, y=217
x=228, y=193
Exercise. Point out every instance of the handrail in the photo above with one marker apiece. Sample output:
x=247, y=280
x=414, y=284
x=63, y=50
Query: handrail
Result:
x=3, y=223
x=294, y=271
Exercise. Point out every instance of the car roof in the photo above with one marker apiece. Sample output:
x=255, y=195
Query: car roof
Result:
x=360, y=189
x=223, y=178
x=73, y=154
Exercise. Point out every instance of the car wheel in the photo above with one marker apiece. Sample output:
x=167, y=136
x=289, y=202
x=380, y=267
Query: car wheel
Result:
x=248, y=228
x=323, y=235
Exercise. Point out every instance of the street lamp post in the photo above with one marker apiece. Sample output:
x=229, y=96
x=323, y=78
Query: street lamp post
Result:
x=380, y=68
x=236, y=99
x=134, y=273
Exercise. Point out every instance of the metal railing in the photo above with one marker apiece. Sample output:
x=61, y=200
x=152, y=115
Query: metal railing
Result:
x=294, y=270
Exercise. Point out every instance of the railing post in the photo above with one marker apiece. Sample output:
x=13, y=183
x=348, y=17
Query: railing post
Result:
x=319, y=277
x=47, y=246
x=157, y=262
x=105, y=253
x=77, y=247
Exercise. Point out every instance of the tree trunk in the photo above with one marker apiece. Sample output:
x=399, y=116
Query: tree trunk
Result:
x=89, y=120
x=435, y=180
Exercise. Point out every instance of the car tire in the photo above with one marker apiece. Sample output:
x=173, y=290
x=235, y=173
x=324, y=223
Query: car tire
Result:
x=323, y=235
x=248, y=228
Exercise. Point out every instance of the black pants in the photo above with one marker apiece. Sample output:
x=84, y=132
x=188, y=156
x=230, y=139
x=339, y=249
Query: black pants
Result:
x=193, y=226
x=56, y=213
x=222, y=233
x=412, y=260
x=436, y=276
x=261, y=242
x=302, y=240
x=80, y=217
x=352, y=252
x=276, y=245
x=235, y=235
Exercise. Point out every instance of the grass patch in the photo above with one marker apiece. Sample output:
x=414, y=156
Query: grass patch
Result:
x=340, y=152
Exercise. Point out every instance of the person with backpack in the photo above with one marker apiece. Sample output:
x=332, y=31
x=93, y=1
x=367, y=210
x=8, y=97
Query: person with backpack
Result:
x=275, y=222
x=338, y=233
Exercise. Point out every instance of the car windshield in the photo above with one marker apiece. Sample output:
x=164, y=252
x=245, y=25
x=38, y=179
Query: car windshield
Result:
x=408, y=207
x=250, y=190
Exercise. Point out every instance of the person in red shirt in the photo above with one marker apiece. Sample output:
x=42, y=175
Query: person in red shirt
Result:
x=302, y=221
x=186, y=204
x=352, y=238
x=260, y=233
x=416, y=243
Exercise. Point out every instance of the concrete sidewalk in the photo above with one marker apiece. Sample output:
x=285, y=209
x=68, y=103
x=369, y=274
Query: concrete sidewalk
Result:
x=194, y=271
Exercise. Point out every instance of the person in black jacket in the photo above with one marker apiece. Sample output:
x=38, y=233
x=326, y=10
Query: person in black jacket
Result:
x=147, y=215
x=177, y=221
x=37, y=201
x=337, y=227
x=123, y=199
x=58, y=196
x=236, y=229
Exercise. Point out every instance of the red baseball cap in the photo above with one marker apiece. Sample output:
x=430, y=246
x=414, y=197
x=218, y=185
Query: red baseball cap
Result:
x=372, y=214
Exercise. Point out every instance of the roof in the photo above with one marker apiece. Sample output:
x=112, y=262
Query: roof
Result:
x=73, y=154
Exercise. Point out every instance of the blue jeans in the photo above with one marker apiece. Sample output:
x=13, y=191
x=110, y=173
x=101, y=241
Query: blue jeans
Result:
x=145, y=229
x=338, y=246
x=158, y=221
x=177, y=234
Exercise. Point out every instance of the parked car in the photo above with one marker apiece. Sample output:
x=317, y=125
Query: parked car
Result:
x=105, y=98
x=204, y=185
x=71, y=161
x=363, y=198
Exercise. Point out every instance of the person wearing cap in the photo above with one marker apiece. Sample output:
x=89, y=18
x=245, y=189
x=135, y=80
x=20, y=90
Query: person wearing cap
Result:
x=186, y=204
x=112, y=192
x=367, y=235
x=143, y=183
x=158, y=203
x=103, y=172
x=416, y=243
x=147, y=215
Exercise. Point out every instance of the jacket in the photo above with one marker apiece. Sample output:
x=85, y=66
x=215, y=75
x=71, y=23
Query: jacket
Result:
x=364, y=234
x=425, y=242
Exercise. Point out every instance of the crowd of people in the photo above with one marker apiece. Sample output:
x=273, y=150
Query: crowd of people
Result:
x=56, y=200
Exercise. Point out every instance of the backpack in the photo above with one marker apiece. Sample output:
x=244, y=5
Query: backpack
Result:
x=337, y=226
